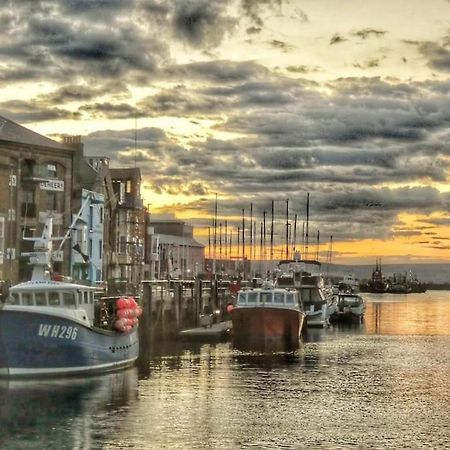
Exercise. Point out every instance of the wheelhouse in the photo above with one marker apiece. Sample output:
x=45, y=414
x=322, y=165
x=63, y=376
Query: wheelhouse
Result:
x=274, y=298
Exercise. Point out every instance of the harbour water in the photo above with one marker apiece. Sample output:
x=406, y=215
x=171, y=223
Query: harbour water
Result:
x=382, y=384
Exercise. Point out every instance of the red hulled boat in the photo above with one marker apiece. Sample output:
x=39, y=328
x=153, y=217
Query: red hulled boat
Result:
x=267, y=314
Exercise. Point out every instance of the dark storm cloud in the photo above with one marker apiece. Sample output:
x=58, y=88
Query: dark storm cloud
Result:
x=438, y=56
x=201, y=22
x=61, y=45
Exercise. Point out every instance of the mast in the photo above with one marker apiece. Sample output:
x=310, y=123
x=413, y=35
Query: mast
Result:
x=215, y=236
x=251, y=229
x=294, y=244
x=318, y=245
x=243, y=234
x=307, y=226
x=226, y=236
x=287, y=229
x=271, y=233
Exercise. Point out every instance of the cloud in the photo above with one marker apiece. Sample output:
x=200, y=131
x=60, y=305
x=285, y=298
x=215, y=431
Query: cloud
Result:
x=369, y=32
x=202, y=23
x=337, y=39
x=438, y=56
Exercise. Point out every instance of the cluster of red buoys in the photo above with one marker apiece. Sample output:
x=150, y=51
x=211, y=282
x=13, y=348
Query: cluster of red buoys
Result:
x=127, y=312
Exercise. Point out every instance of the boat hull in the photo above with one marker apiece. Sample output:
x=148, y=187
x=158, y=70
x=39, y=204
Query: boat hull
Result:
x=38, y=344
x=266, y=323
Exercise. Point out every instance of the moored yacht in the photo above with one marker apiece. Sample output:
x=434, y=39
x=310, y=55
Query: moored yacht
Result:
x=350, y=307
x=305, y=277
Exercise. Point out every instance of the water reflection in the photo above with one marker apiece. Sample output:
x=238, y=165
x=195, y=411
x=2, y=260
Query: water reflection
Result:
x=412, y=314
x=60, y=413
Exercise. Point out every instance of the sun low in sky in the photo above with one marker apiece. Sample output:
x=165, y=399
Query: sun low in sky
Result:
x=253, y=100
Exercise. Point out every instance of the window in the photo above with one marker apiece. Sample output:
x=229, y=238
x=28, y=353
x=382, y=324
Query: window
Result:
x=51, y=170
x=40, y=299
x=266, y=297
x=100, y=213
x=90, y=248
x=69, y=298
x=2, y=238
x=91, y=218
x=86, y=297
x=27, y=299
x=52, y=203
x=290, y=299
x=13, y=299
x=278, y=297
x=128, y=188
x=252, y=297
x=306, y=295
x=53, y=299
x=100, y=249
x=241, y=298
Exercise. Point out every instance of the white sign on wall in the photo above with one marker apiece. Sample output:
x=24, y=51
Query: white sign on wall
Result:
x=52, y=185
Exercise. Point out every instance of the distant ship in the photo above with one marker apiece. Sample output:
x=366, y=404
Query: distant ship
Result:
x=377, y=284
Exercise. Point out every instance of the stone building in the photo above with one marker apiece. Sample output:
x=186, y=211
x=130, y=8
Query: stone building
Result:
x=128, y=231
x=36, y=179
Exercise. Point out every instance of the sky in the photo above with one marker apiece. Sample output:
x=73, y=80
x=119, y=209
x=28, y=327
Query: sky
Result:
x=253, y=101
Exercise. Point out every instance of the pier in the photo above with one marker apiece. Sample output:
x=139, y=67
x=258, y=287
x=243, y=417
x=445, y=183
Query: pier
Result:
x=184, y=308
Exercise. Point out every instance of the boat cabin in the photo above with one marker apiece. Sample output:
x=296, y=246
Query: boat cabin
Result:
x=54, y=294
x=274, y=298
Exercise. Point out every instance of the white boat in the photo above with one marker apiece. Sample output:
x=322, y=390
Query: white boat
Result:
x=350, y=307
x=349, y=283
x=305, y=277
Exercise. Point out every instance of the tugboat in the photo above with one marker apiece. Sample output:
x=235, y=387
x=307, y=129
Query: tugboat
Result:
x=53, y=328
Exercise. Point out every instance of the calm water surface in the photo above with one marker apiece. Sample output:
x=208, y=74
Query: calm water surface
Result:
x=382, y=384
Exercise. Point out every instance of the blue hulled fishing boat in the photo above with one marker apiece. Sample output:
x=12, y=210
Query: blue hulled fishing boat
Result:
x=50, y=327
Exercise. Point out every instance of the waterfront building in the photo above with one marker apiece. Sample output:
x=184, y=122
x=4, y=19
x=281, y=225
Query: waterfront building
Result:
x=128, y=231
x=36, y=179
x=175, y=252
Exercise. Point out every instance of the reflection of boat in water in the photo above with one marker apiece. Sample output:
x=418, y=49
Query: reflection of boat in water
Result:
x=52, y=327
x=350, y=307
x=267, y=313
x=60, y=413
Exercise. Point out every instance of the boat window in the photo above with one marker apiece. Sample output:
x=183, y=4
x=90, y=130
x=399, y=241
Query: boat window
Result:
x=278, y=297
x=91, y=298
x=40, y=299
x=252, y=297
x=306, y=295
x=290, y=299
x=53, y=299
x=69, y=298
x=241, y=298
x=27, y=299
x=266, y=297
x=86, y=297
x=13, y=299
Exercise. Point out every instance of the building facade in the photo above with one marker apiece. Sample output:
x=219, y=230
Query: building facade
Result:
x=175, y=253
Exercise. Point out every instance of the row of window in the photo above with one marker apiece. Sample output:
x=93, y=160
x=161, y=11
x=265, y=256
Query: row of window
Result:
x=52, y=298
x=253, y=297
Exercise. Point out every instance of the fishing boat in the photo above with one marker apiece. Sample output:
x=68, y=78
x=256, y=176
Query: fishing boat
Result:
x=267, y=313
x=350, y=307
x=50, y=328
x=304, y=276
